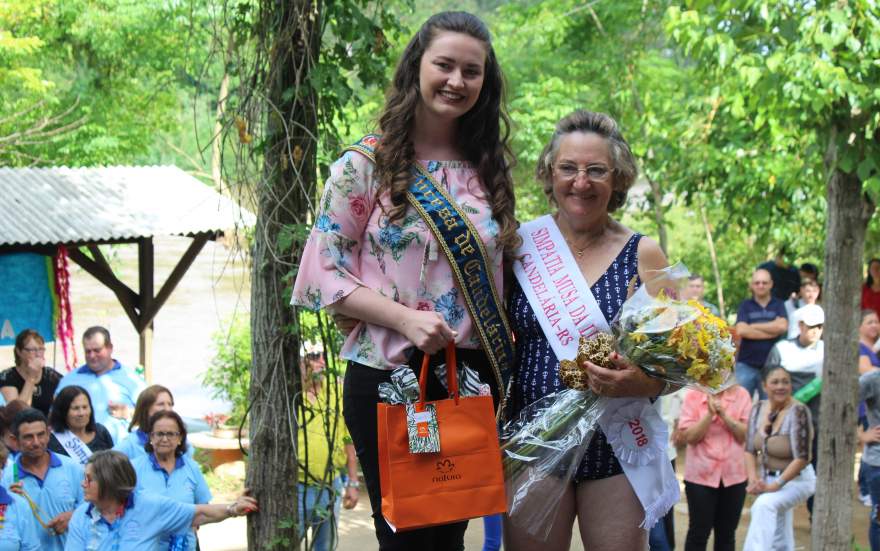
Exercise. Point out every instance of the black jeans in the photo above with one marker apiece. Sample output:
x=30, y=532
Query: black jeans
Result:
x=717, y=508
x=359, y=398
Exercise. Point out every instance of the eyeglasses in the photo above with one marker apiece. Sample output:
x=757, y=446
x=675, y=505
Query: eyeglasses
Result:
x=760, y=283
x=594, y=173
x=164, y=435
x=35, y=350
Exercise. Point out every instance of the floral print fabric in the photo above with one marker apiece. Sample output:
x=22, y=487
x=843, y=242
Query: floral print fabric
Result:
x=353, y=244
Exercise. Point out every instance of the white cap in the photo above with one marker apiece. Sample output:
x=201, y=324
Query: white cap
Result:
x=811, y=315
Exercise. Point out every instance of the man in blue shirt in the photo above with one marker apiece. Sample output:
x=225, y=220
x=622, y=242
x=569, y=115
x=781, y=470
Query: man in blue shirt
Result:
x=52, y=482
x=113, y=387
x=760, y=322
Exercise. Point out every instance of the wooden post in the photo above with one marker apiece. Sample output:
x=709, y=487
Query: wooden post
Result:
x=146, y=352
x=145, y=299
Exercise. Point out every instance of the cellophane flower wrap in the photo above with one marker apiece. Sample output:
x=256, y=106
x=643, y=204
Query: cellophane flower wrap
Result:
x=676, y=340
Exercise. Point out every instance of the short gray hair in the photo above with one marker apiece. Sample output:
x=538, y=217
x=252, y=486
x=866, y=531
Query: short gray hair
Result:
x=624, y=170
x=113, y=473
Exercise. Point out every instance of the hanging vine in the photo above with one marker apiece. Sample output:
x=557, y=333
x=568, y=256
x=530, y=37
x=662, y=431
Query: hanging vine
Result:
x=292, y=72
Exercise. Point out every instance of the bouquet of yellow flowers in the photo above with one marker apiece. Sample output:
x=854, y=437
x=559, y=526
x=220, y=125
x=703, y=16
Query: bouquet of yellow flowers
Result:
x=678, y=341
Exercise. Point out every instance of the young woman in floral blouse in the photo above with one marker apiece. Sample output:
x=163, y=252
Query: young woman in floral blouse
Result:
x=370, y=256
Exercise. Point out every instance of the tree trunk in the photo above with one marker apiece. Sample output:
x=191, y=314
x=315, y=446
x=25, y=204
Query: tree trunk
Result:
x=848, y=216
x=217, y=139
x=716, y=272
x=288, y=35
x=657, y=200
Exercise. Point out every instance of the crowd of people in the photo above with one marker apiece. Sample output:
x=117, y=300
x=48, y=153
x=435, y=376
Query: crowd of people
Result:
x=99, y=459
x=378, y=260
x=95, y=459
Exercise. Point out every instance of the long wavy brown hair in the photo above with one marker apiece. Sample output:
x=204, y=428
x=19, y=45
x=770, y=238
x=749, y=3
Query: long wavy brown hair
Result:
x=483, y=132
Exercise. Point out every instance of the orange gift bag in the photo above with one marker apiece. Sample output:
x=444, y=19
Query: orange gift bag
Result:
x=463, y=480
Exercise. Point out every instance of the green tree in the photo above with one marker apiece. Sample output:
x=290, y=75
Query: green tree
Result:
x=802, y=78
x=96, y=80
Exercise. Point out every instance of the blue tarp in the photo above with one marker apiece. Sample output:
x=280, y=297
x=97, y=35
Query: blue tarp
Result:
x=25, y=296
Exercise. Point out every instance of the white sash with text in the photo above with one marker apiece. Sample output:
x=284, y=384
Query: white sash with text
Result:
x=75, y=447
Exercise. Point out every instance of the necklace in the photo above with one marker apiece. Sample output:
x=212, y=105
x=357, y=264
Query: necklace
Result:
x=579, y=251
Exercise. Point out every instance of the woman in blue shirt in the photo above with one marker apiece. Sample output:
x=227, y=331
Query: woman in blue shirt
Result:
x=116, y=517
x=17, y=532
x=153, y=399
x=165, y=470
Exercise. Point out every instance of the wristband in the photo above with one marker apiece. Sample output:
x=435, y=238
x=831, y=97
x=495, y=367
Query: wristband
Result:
x=781, y=482
x=353, y=483
x=230, y=510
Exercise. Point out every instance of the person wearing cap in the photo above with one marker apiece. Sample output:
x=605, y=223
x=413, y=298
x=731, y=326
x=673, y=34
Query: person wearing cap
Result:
x=802, y=357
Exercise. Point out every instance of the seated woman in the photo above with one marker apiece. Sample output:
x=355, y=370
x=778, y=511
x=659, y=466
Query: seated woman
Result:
x=74, y=430
x=17, y=531
x=778, y=463
x=115, y=516
x=165, y=470
x=153, y=399
x=30, y=380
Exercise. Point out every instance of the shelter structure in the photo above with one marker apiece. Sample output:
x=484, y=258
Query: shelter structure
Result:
x=82, y=208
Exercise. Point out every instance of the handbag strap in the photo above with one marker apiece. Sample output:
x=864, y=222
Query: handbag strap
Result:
x=451, y=376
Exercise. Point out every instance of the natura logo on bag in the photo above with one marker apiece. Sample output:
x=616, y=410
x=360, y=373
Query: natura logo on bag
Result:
x=445, y=468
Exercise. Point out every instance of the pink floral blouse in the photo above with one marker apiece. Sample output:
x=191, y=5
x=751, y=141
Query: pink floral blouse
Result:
x=352, y=244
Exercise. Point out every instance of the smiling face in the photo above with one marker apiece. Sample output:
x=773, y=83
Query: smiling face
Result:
x=777, y=385
x=869, y=330
x=79, y=413
x=33, y=439
x=163, y=403
x=165, y=436
x=451, y=76
x=582, y=195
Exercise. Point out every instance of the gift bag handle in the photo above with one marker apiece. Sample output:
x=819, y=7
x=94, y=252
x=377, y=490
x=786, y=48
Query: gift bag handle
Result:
x=451, y=375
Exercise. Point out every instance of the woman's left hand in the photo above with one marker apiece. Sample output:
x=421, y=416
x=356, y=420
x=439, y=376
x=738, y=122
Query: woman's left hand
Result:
x=626, y=380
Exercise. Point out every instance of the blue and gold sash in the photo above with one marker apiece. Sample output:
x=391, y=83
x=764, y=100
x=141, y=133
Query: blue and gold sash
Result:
x=467, y=256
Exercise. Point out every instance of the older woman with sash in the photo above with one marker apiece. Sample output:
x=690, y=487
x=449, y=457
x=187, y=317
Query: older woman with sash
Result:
x=410, y=236
x=573, y=273
x=74, y=430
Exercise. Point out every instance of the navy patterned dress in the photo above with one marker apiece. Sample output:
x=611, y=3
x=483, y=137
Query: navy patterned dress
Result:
x=536, y=366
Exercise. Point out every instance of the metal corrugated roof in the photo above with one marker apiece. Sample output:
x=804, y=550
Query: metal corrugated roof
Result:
x=44, y=206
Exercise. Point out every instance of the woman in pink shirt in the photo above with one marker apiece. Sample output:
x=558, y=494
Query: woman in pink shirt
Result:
x=714, y=428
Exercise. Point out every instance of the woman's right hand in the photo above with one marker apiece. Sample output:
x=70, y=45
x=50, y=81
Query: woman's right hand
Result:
x=428, y=331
